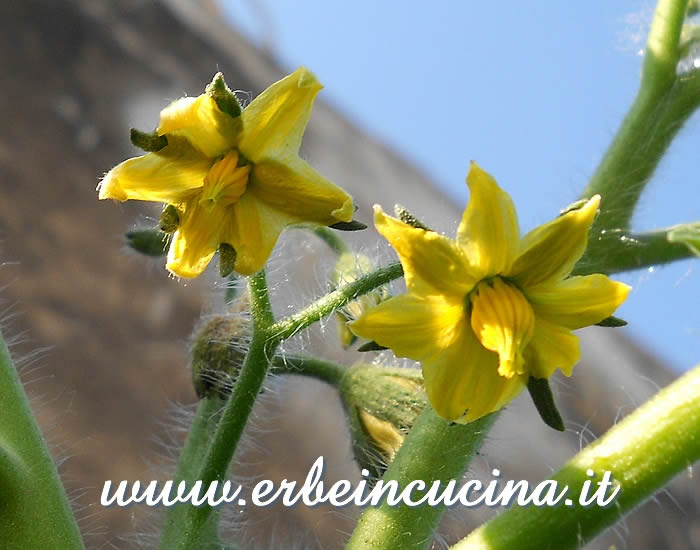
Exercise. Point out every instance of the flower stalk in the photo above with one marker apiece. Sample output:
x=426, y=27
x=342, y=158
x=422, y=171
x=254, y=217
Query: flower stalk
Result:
x=643, y=452
x=326, y=305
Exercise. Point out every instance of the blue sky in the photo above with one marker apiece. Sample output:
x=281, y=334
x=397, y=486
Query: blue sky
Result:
x=533, y=92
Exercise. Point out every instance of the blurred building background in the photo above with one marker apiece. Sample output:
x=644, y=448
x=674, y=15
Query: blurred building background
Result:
x=102, y=333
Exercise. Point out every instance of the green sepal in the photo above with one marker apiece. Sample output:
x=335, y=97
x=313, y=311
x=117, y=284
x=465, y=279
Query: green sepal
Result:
x=576, y=205
x=169, y=219
x=149, y=242
x=225, y=99
x=406, y=217
x=612, y=321
x=150, y=142
x=542, y=397
x=353, y=225
x=227, y=259
x=371, y=346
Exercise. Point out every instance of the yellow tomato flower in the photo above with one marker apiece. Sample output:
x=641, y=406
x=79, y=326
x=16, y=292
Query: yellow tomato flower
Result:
x=234, y=180
x=488, y=310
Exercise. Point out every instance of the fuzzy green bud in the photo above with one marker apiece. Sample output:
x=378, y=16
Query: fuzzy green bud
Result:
x=382, y=405
x=218, y=352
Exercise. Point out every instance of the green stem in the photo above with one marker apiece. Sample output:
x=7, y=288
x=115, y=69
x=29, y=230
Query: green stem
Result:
x=647, y=129
x=320, y=369
x=643, y=452
x=433, y=450
x=330, y=302
x=190, y=460
x=34, y=509
x=189, y=522
x=331, y=238
x=622, y=251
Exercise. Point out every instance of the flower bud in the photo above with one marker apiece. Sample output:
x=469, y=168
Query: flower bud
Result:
x=218, y=352
x=349, y=268
x=382, y=404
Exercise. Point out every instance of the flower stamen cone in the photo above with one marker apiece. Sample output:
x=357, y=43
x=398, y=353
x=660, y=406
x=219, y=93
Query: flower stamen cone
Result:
x=225, y=182
x=490, y=309
x=504, y=322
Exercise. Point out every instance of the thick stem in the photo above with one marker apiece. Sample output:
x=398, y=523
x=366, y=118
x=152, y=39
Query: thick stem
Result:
x=643, y=452
x=34, y=509
x=332, y=301
x=190, y=522
x=646, y=130
x=433, y=450
x=620, y=251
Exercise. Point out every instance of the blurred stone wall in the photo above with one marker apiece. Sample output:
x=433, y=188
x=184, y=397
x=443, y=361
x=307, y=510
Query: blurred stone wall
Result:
x=102, y=334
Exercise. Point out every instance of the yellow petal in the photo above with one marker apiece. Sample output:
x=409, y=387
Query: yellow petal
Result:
x=578, y=301
x=274, y=123
x=552, y=346
x=488, y=232
x=296, y=188
x=549, y=252
x=432, y=263
x=413, y=326
x=197, y=238
x=200, y=121
x=503, y=321
x=462, y=382
x=159, y=177
x=253, y=230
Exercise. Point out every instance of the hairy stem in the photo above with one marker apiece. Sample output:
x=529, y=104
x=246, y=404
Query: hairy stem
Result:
x=647, y=129
x=434, y=450
x=189, y=522
x=320, y=369
x=331, y=238
x=34, y=509
x=643, y=452
x=330, y=302
x=622, y=251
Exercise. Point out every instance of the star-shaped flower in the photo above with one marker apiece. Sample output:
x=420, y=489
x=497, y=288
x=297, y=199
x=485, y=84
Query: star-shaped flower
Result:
x=488, y=310
x=236, y=180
